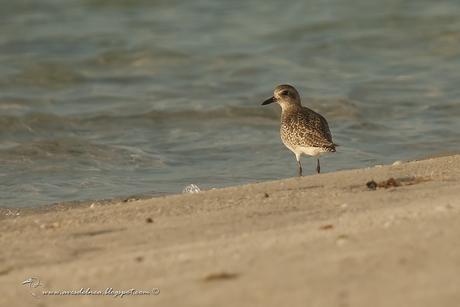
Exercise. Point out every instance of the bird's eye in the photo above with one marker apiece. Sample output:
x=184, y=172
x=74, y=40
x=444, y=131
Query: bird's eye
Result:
x=284, y=93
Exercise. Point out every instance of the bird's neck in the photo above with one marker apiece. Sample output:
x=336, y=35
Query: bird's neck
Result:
x=288, y=108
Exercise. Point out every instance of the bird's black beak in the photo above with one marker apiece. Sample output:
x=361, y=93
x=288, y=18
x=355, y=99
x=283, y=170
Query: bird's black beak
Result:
x=269, y=100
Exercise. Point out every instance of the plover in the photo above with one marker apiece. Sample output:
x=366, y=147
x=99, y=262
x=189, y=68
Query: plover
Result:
x=302, y=130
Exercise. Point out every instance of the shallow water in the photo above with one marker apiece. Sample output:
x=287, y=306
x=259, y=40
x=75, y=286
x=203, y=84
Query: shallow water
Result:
x=100, y=99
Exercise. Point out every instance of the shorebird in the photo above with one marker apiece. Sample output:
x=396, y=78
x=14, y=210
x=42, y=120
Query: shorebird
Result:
x=303, y=131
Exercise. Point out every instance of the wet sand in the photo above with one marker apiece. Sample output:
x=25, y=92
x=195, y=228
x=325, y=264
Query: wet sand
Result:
x=333, y=239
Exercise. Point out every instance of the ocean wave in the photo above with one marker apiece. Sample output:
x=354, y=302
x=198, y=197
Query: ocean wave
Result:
x=75, y=151
x=37, y=122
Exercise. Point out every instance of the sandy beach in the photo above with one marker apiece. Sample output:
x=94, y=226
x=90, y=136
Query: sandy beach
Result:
x=381, y=236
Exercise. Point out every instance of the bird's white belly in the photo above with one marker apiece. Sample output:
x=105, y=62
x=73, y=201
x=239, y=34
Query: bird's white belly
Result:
x=310, y=151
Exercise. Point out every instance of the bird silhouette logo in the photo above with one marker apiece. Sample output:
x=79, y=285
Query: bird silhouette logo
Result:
x=32, y=283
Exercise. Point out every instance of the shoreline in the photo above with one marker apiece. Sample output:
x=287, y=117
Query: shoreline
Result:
x=328, y=239
x=70, y=204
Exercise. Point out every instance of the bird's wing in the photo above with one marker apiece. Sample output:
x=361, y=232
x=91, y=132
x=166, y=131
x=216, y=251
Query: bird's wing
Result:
x=312, y=130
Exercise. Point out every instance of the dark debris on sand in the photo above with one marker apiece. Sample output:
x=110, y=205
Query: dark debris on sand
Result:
x=220, y=276
x=393, y=183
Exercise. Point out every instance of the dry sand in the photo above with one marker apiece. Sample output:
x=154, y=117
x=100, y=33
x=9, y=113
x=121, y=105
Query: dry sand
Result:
x=322, y=240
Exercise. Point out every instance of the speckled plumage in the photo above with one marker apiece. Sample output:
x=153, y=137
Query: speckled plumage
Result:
x=303, y=127
x=302, y=130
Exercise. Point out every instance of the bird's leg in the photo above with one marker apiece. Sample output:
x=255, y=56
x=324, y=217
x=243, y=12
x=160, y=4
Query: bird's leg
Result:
x=318, y=168
x=299, y=165
x=300, y=169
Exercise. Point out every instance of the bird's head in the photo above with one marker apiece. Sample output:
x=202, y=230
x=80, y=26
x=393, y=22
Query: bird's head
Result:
x=284, y=95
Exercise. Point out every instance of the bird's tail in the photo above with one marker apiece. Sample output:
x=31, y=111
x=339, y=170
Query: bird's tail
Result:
x=331, y=147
